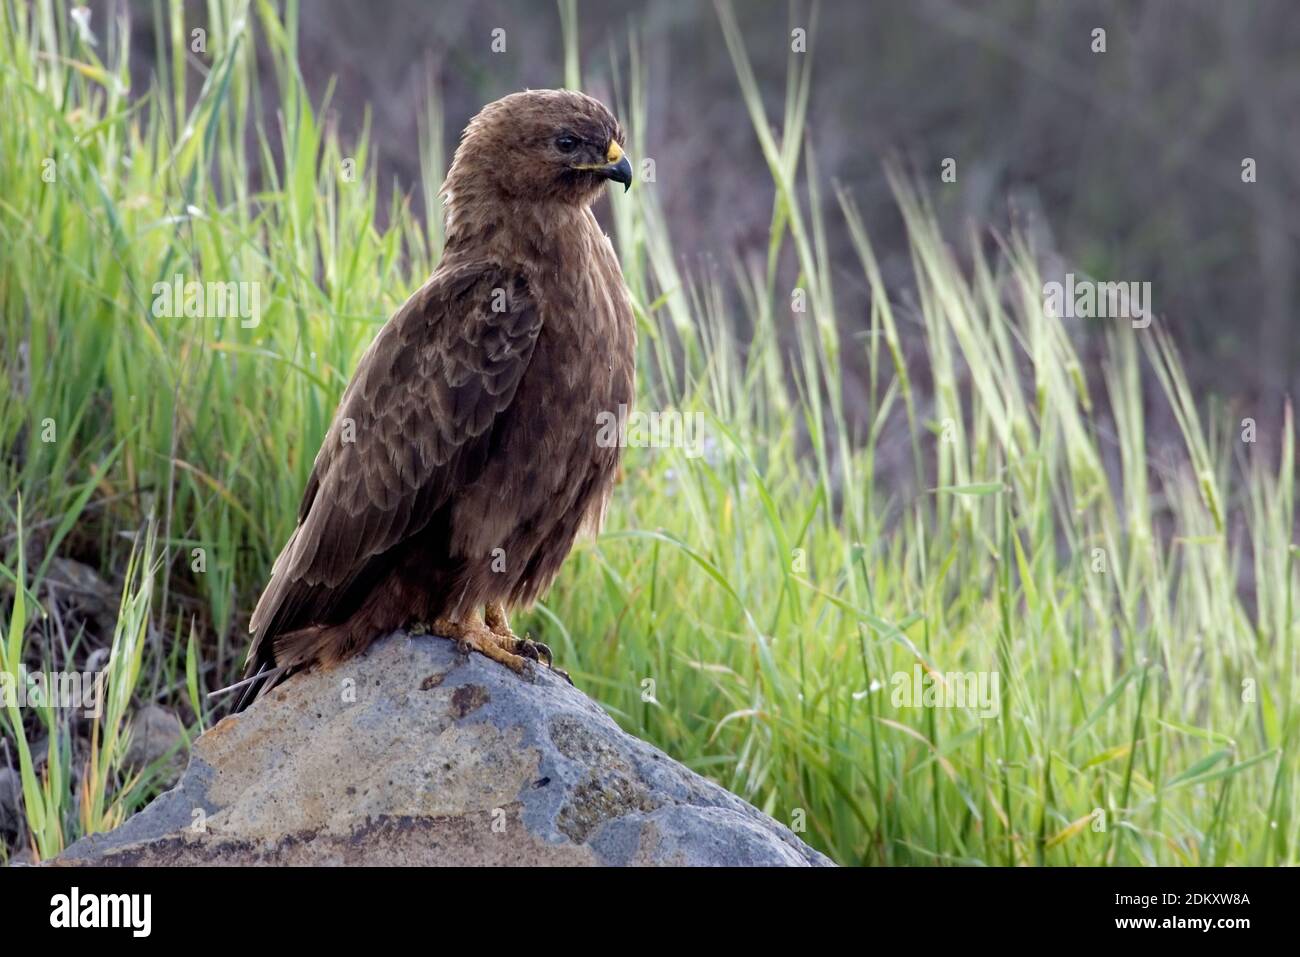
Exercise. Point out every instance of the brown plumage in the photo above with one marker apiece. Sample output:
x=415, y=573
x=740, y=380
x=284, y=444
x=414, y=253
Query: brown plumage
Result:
x=463, y=460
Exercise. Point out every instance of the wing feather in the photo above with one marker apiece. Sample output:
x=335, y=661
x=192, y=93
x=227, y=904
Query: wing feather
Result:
x=412, y=426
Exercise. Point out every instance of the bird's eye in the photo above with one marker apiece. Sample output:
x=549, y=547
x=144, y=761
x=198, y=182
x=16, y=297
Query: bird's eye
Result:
x=566, y=143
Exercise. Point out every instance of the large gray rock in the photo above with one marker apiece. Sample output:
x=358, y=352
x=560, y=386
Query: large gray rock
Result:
x=415, y=754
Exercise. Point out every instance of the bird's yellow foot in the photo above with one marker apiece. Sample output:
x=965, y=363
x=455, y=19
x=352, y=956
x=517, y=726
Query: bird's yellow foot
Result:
x=495, y=617
x=474, y=635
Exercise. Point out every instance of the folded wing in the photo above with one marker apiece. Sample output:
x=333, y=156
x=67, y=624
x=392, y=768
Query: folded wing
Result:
x=413, y=426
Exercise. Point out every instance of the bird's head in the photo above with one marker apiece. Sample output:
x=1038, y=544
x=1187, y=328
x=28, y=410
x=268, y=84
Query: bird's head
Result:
x=541, y=146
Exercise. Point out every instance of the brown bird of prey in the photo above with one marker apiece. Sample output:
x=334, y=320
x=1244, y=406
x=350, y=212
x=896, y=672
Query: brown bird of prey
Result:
x=463, y=460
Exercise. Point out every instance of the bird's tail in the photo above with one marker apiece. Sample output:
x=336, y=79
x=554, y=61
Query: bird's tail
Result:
x=284, y=655
x=254, y=686
x=272, y=660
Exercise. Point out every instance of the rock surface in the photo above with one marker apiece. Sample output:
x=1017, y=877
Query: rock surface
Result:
x=415, y=755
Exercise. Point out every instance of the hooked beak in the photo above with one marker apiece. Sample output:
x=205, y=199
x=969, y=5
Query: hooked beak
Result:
x=616, y=167
x=620, y=172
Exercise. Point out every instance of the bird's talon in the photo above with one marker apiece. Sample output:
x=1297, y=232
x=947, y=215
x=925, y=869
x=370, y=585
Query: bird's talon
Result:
x=533, y=650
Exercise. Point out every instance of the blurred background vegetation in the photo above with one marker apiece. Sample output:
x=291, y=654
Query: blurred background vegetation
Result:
x=919, y=470
x=1126, y=163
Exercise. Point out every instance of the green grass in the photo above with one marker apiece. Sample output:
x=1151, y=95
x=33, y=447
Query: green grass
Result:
x=746, y=610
